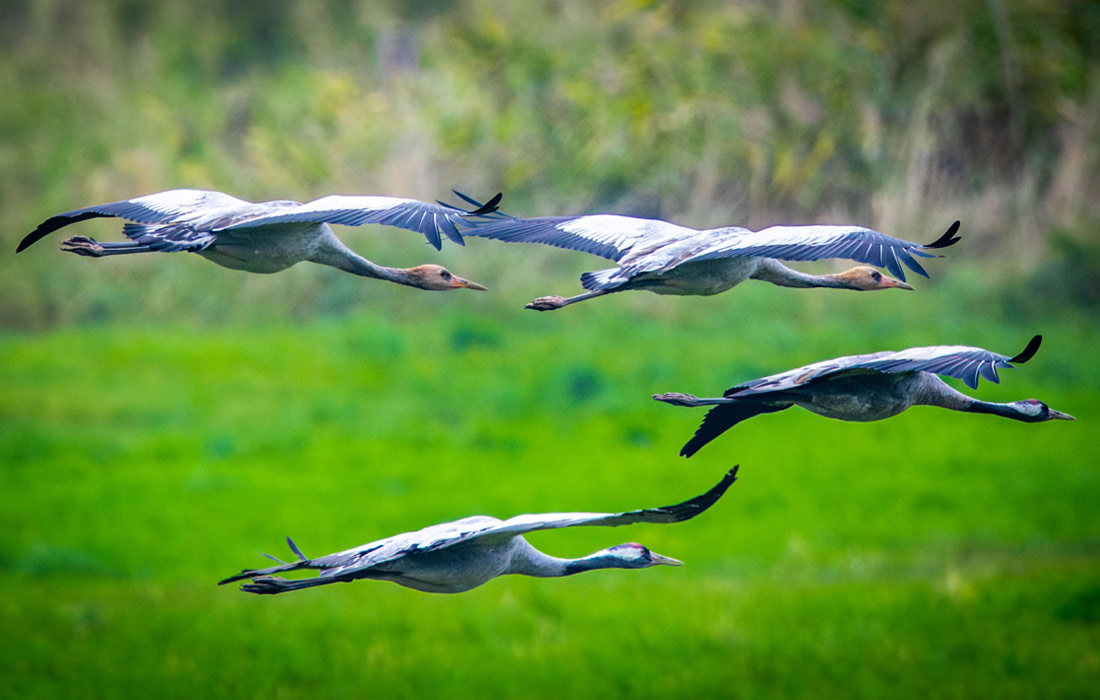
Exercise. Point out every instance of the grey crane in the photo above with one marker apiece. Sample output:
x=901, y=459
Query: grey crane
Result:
x=867, y=388
x=267, y=237
x=457, y=556
x=666, y=258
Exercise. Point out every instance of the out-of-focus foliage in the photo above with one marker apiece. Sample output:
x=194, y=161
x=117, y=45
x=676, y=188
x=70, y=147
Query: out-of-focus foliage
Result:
x=898, y=115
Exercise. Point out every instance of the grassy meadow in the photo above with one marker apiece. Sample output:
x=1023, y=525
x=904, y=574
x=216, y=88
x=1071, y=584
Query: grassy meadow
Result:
x=164, y=421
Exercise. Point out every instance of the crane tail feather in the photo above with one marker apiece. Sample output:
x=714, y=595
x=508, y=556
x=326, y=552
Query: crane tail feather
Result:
x=297, y=552
x=302, y=563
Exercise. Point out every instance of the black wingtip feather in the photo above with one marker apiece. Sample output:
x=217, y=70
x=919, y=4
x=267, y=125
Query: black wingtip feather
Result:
x=717, y=421
x=492, y=205
x=947, y=239
x=1029, y=351
x=50, y=225
x=466, y=198
x=29, y=240
x=690, y=508
x=481, y=209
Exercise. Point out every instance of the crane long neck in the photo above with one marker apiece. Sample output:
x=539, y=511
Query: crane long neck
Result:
x=936, y=392
x=773, y=271
x=334, y=253
x=529, y=561
x=359, y=265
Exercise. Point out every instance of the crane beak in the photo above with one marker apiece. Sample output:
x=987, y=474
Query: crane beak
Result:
x=1060, y=416
x=891, y=282
x=457, y=281
x=667, y=561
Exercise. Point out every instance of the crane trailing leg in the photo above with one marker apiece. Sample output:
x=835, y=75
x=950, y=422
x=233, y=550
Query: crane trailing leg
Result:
x=302, y=563
x=555, y=302
x=90, y=247
x=270, y=585
x=689, y=400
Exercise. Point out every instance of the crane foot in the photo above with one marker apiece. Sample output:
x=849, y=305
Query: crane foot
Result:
x=678, y=399
x=546, y=303
x=82, y=245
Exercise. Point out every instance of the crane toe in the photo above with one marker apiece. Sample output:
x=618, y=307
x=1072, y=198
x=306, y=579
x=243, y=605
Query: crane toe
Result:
x=82, y=245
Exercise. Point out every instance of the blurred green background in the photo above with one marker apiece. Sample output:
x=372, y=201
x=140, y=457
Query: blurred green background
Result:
x=163, y=421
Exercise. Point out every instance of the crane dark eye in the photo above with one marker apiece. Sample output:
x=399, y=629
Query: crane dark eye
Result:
x=445, y=275
x=876, y=276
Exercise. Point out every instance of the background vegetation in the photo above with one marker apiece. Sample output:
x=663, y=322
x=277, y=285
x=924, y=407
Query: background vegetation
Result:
x=162, y=420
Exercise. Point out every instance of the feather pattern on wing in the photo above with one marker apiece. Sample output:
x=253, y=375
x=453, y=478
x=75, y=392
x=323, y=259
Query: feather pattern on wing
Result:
x=959, y=361
x=427, y=218
x=437, y=537
x=168, y=238
x=607, y=235
x=651, y=245
x=196, y=212
x=172, y=206
x=820, y=242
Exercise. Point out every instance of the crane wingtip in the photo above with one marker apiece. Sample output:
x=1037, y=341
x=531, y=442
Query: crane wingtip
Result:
x=32, y=238
x=480, y=209
x=948, y=238
x=1028, y=352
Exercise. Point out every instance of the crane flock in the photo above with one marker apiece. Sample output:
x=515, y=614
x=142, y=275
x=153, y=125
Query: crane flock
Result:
x=651, y=255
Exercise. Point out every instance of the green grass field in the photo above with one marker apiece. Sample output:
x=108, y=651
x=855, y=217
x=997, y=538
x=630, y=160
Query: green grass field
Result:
x=930, y=555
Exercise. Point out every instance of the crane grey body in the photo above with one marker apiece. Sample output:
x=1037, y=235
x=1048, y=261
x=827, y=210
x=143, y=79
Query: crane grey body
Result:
x=693, y=278
x=268, y=237
x=868, y=388
x=664, y=258
x=457, y=556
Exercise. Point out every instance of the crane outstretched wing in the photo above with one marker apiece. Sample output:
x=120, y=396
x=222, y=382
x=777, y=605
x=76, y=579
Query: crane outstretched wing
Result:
x=723, y=417
x=959, y=361
x=428, y=218
x=172, y=206
x=820, y=242
x=428, y=539
x=607, y=235
x=522, y=524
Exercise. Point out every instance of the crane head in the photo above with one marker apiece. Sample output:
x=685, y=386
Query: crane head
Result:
x=1035, y=411
x=439, y=278
x=635, y=556
x=865, y=278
